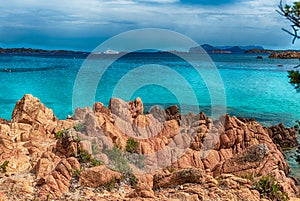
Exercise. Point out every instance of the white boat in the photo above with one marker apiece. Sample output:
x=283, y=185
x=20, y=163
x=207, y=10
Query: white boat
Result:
x=109, y=51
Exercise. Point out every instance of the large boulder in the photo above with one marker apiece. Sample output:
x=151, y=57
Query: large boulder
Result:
x=98, y=176
x=178, y=178
x=58, y=182
x=29, y=110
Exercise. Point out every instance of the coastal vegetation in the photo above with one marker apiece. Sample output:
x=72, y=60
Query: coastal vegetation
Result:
x=120, y=163
x=59, y=134
x=269, y=187
x=4, y=165
x=132, y=146
x=294, y=76
x=292, y=13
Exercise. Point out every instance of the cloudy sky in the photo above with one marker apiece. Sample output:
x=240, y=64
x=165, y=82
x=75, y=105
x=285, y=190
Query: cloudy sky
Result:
x=84, y=24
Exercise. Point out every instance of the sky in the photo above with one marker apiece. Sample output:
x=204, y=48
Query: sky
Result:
x=84, y=24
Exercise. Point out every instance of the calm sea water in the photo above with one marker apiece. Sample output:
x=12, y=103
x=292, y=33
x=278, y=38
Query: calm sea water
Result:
x=254, y=87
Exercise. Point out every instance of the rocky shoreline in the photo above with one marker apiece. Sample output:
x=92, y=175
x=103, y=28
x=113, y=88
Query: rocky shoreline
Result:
x=285, y=55
x=277, y=54
x=120, y=153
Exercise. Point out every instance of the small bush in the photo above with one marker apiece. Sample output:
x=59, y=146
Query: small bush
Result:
x=132, y=146
x=59, y=134
x=269, y=187
x=133, y=180
x=119, y=161
x=170, y=168
x=249, y=176
x=4, y=166
x=136, y=159
x=77, y=173
x=84, y=156
x=95, y=149
x=96, y=162
x=78, y=139
x=111, y=185
x=78, y=127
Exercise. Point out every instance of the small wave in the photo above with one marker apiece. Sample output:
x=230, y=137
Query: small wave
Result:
x=22, y=70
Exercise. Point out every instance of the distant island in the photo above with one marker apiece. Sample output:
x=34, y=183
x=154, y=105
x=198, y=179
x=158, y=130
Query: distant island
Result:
x=224, y=49
x=250, y=49
x=38, y=51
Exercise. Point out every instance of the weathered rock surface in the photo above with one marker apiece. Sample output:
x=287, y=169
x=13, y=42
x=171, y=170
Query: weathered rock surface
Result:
x=58, y=181
x=185, y=157
x=284, y=137
x=98, y=176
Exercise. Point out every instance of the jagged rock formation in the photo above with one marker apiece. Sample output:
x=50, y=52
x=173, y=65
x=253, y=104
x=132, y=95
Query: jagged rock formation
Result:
x=183, y=157
x=284, y=137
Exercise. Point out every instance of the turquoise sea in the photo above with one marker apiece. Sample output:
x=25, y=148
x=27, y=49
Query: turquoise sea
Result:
x=254, y=87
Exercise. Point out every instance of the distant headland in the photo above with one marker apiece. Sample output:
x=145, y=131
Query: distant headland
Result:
x=250, y=49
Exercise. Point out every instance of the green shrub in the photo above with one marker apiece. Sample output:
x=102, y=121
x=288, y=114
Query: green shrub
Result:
x=78, y=127
x=132, y=146
x=294, y=78
x=119, y=161
x=269, y=187
x=111, y=185
x=84, y=156
x=133, y=180
x=96, y=162
x=95, y=149
x=77, y=173
x=135, y=159
x=170, y=168
x=249, y=176
x=59, y=134
x=4, y=165
x=78, y=139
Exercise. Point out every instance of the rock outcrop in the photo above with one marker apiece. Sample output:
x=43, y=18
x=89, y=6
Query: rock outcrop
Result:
x=195, y=184
x=98, y=176
x=183, y=157
x=58, y=181
x=285, y=55
x=284, y=137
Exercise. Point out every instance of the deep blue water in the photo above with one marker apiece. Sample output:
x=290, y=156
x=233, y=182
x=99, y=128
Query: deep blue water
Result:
x=253, y=87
